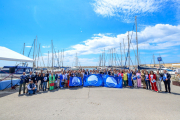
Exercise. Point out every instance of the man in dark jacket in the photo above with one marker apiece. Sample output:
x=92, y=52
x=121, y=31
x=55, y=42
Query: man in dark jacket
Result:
x=22, y=82
x=87, y=72
x=35, y=78
x=30, y=77
x=167, y=81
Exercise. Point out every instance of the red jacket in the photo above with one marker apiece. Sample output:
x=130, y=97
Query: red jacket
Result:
x=154, y=77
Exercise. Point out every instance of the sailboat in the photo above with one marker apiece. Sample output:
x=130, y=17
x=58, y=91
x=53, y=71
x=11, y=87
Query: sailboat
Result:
x=76, y=67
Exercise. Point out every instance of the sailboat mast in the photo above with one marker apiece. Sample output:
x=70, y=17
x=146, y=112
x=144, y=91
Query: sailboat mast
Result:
x=128, y=50
x=58, y=59
x=115, y=55
x=23, y=48
x=112, y=56
x=33, y=55
x=124, y=51
x=38, y=55
x=52, y=53
x=104, y=58
x=48, y=60
x=154, y=60
x=137, y=41
x=109, y=57
x=121, y=54
x=36, y=52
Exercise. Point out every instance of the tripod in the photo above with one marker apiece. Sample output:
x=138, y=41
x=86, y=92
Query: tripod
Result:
x=12, y=87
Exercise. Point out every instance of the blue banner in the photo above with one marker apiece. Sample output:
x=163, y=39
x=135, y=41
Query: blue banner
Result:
x=114, y=82
x=75, y=81
x=93, y=80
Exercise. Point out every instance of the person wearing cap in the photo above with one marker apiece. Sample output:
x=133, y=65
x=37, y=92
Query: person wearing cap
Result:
x=31, y=87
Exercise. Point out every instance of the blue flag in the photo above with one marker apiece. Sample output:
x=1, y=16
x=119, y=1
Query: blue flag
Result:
x=93, y=80
x=114, y=82
x=75, y=81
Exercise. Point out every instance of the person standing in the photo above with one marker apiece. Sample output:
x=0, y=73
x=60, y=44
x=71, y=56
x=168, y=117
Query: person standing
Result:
x=39, y=79
x=143, y=78
x=125, y=79
x=167, y=81
x=22, y=82
x=152, y=78
x=47, y=75
x=158, y=81
x=35, y=79
x=62, y=80
x=44, y=82
x=129, y=78
x=82, y=76
x=134, y=79
x=138, y=75
x=87, y=72
x=148, y=86
x=51, y=81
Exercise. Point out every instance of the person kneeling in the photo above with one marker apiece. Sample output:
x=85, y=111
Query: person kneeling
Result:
x=31, y=87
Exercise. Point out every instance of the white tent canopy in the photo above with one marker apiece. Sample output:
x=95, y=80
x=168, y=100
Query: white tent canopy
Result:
x=10, y=55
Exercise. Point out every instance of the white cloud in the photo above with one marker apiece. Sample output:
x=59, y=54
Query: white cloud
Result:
x=161, y=37
x=127, y=9
x=46, y=46
x=28, y=46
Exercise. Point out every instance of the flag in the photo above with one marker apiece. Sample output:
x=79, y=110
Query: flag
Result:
x=114, y=82
x=75, y=81
x=93, y=80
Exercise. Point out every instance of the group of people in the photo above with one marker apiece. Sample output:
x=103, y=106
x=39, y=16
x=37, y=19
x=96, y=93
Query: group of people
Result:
x=33, y=83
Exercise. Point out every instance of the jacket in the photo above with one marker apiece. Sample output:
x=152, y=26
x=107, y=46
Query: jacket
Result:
x=23, y=79
x=30, y=77
x=168, y=76
x=154, y=77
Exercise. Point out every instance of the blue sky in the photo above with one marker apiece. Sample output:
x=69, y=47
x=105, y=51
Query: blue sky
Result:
x=87, y=27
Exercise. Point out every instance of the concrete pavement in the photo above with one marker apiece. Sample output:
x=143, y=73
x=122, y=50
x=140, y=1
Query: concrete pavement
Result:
x=96, y=103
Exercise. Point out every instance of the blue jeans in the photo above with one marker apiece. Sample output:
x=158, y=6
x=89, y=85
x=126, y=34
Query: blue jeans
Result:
x=148, y=84
x=32, y=91
x=44, y=85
